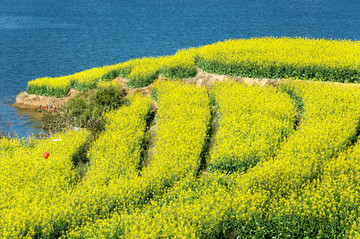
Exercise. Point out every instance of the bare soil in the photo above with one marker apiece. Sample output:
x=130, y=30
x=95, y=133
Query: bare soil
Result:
x=205, y=79
x=29, y=101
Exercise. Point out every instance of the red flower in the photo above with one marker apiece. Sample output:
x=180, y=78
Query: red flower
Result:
x=46, y=155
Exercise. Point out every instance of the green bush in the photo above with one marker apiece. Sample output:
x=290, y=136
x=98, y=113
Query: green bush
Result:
x=85, y=110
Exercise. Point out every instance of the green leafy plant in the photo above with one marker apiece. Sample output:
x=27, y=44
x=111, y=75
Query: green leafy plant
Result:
x=85, y=110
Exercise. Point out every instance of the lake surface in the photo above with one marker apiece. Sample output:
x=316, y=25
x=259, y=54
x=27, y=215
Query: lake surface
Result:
x=59, y=37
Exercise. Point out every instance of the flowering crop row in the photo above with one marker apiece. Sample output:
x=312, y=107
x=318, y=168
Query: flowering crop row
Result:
x=304, y=58
x=33, y=188
x=301, y=192
x=60, y=86
x=309, y=188
x=305, y=186
x=9, y=145
x=344, y=173
x=141, y=72
x=283, y=58
x=202, y=208
x=329, y=206
x=252, y=122
x=114, y=158
x=191, y=208
x=111, y=162
x=330, y=126
x=118, y=149
x=177, y=148
x=182, y=121
x=114, y=181
x=146, y=70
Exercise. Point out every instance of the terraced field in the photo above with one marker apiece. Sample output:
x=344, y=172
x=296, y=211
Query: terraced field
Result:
x=228, y=161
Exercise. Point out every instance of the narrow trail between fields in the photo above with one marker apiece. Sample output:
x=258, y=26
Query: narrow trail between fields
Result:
x=300, y=110
x=149, y=140
x=209, y=141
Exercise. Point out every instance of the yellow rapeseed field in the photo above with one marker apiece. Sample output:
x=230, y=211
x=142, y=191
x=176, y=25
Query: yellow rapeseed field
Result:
x=306, y=186
x=320, y=59
x=33, y=189
x=228, y=161
x=253, y=120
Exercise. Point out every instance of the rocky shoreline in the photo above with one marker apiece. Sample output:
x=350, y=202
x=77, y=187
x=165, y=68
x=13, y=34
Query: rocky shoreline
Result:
x=30, y=101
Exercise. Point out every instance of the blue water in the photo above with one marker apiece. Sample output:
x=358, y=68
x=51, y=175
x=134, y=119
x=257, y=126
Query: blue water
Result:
x=59, y=37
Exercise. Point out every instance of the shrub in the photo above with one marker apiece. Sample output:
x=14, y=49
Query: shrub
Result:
x=86, y=110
